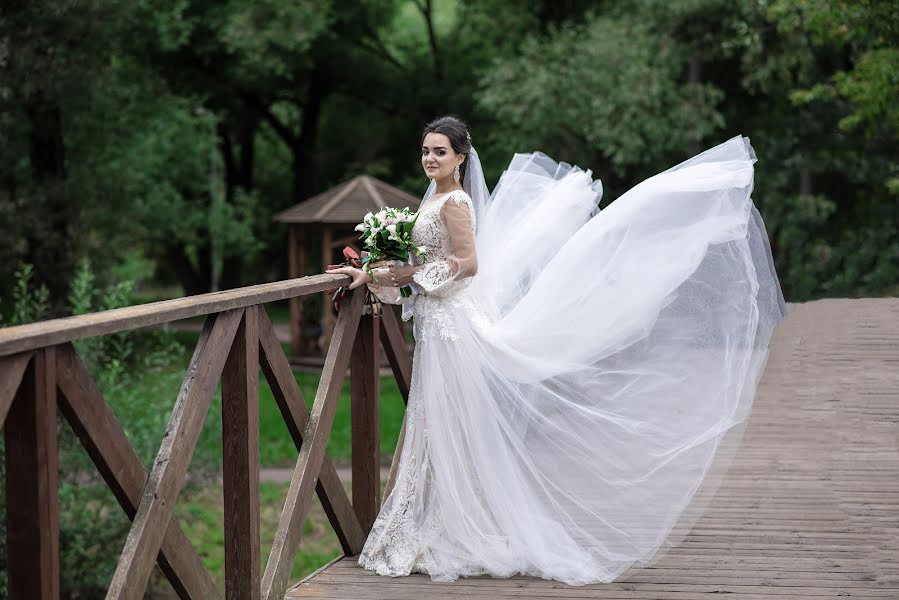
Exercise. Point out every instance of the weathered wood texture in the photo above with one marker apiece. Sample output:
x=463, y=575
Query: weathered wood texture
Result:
x=295, y=304
x=809, y=508
x=240, y=466
x=105, y=441
x=32, y=505
x=327, y=317
x=309, y=463
x=167, y=475
x=57, y=331
x=12, y=368
x=296, y=416
x=395, y=348
x=365, y=399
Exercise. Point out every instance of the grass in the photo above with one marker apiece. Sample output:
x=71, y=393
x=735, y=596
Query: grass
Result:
x=200, y=511
x=144, y=406
x=142, y=395
x=276, y=446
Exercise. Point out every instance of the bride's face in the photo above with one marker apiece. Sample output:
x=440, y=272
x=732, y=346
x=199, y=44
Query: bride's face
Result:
x=438, y=158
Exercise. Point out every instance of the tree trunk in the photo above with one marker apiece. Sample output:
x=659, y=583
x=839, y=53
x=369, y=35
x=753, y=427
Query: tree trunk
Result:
x=246, y=137
x=303, y=149
x=50, y=234
x=239, y=165
x=194, y=280
x=805, y=182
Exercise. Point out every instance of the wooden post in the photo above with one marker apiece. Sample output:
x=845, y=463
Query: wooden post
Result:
x=296, y=307
x=303, y=264
x=365, y=410
x=12, y=369
x=303, y=246
x=154, y=513
x=401, y=363
x=395, y=347
x=32, y=501
x=104, y=439
x=240, y=439
x=327, y=308
x=309, y=463
x=296, y=416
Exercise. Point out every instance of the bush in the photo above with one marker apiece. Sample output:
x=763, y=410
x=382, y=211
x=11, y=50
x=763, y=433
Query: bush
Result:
x=92, y=525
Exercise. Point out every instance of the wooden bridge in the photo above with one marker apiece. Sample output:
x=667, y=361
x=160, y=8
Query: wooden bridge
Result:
x=809, y=508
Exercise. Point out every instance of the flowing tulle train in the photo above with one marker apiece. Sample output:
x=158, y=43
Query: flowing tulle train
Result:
x=569, y=401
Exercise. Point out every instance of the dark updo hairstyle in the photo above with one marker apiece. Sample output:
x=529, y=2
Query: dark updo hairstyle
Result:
x=458, y=135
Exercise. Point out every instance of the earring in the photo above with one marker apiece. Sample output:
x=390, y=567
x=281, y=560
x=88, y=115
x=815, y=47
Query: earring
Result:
x=456, y=174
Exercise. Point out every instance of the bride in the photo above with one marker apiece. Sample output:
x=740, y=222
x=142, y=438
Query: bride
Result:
x=575, y=371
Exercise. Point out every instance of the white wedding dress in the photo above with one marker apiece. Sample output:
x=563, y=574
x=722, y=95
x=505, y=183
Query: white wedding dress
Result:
x=570, y=398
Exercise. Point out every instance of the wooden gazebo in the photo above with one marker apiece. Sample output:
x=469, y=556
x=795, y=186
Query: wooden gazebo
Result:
x=334, y=213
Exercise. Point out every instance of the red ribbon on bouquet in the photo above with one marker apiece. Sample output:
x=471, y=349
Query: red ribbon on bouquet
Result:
x=352, y=259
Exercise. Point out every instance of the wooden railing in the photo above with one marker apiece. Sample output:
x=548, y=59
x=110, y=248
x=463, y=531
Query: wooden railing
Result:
x=40, y=371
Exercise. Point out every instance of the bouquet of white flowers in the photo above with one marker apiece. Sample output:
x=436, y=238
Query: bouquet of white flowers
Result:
x=387, y=235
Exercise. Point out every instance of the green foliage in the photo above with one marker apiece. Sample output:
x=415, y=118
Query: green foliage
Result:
x=134, y=370
x=28, y=303
x=868, y=30
x=183, y=128
x=266, y=37
x=92, y=530
x=605, y=91
x=106, y=355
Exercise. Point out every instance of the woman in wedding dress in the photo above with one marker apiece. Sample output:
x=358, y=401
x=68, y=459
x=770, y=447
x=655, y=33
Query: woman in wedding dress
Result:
x=575, y=371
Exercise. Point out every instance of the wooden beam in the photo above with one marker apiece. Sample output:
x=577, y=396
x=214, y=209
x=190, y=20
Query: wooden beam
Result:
x=58, y=331
x=365, y=410
x=395, y=348
x=296, y=307
x=327, y=315
x=308, y=467
x=337, y=198
x=347, y=240
x=105, y=441
x=303, y=256
x=167, y=475
x=240, y=440
x=303, y=259
x=373, y=192
x=12, y=369
x=296, y=416
x=32, y=493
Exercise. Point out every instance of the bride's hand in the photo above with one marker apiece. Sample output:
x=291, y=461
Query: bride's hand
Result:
x=359, y=276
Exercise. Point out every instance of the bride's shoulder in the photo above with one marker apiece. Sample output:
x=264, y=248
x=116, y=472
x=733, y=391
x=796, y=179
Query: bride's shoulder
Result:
x=458, y=197
x=452, y=199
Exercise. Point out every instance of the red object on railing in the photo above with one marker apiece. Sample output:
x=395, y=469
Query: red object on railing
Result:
x=352, y=260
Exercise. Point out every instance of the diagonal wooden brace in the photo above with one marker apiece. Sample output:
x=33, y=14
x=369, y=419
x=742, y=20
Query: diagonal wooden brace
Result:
x=104, y=439
x=290, y=401
x=12, y=369
x=167, y=475
x=299, y=496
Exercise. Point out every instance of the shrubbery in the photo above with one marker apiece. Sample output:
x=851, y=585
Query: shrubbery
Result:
x=92, y=525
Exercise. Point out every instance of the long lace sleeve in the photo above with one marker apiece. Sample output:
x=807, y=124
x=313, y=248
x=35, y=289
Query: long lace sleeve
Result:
x=437, y=276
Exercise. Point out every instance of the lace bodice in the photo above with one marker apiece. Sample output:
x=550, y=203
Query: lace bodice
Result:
x=445, y=227
x=448, y=234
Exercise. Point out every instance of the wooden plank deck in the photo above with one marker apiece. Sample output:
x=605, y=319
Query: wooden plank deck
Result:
x=809, y=507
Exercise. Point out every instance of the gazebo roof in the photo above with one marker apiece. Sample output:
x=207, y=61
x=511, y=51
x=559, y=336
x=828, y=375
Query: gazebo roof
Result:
x=348, y=202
